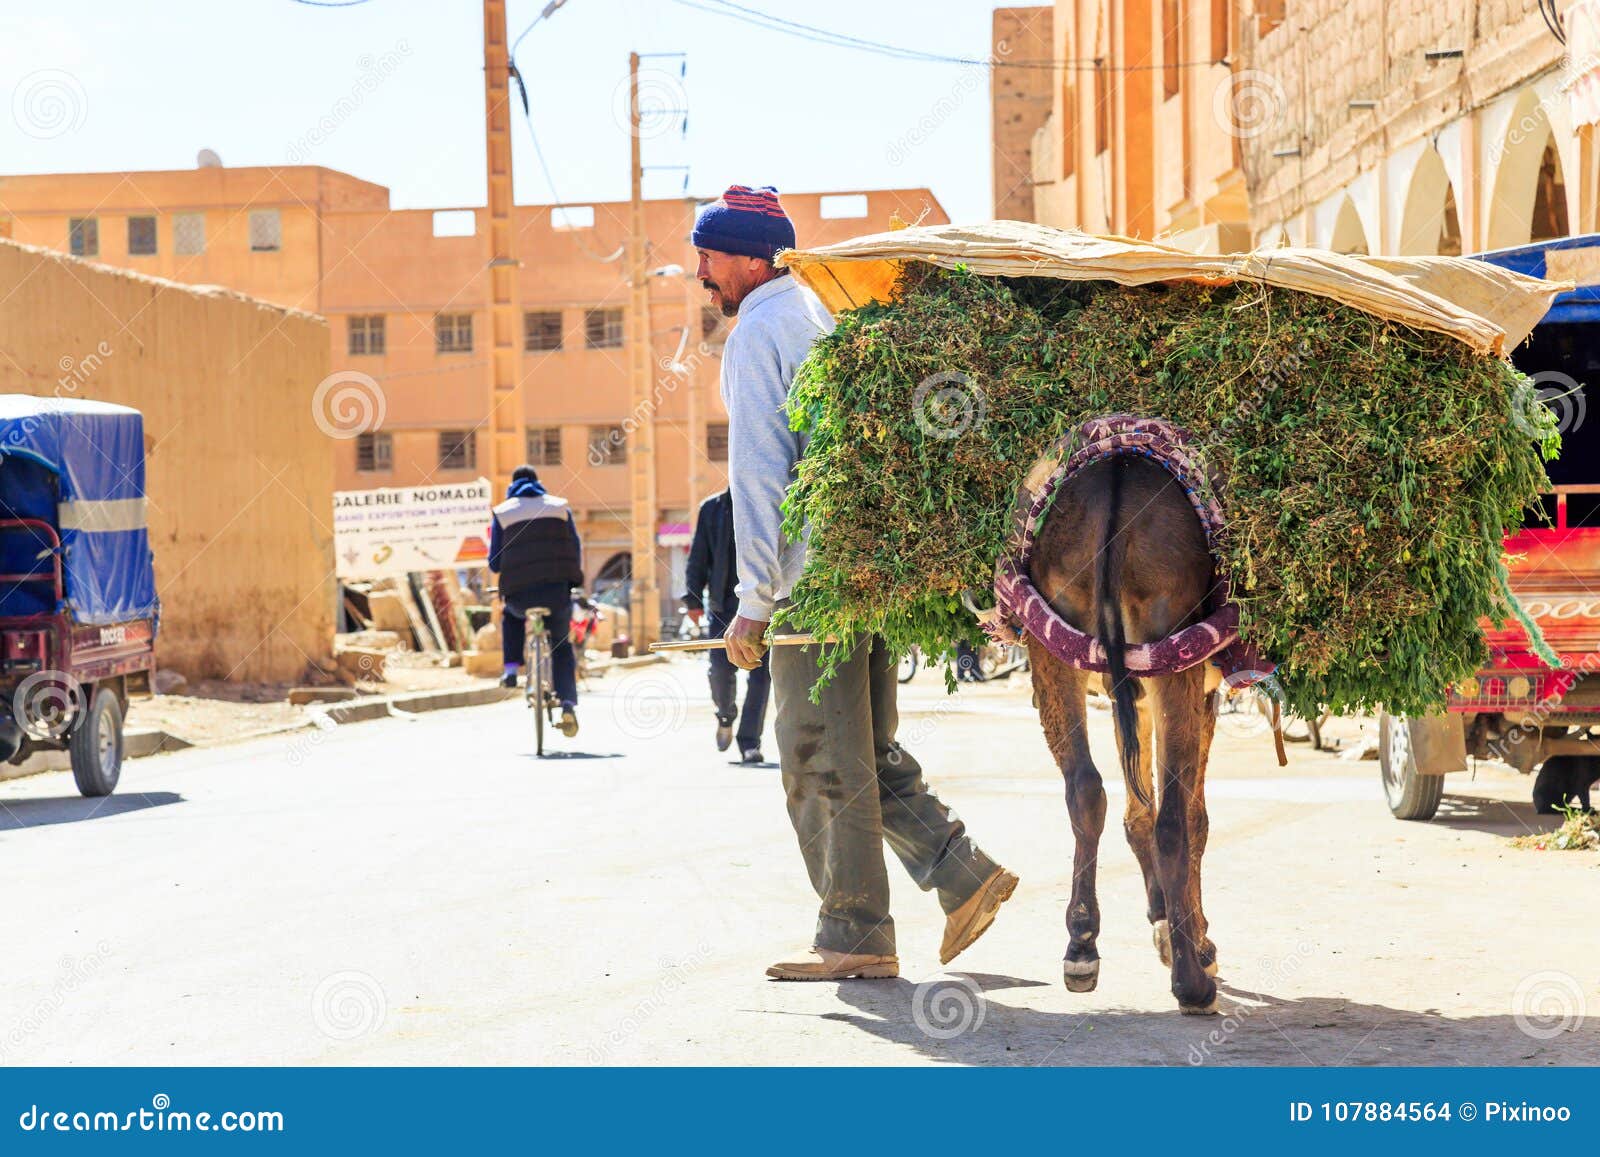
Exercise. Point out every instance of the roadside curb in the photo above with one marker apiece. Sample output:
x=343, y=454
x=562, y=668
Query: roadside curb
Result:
x=142, y=742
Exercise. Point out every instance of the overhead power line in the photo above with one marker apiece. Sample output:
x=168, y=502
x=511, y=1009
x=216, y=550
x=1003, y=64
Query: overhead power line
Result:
x=816, y=35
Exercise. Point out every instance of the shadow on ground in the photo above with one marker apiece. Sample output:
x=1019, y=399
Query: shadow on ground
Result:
x=71, y=809
x=945, y=1021
x=1497, y=817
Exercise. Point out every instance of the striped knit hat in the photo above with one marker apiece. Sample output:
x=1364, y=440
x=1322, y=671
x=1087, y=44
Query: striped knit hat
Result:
x=746, y=221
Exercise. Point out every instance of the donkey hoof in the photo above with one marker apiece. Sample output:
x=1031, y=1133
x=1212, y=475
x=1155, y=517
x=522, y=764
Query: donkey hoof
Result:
x=1207, y=1009
x=1161, y=934
x=1197, y=1001
x=1080, y=975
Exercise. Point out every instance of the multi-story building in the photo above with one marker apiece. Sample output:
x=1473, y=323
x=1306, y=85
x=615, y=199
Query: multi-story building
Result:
x=405, y=294
x=1145, y=123
x=1419, y=129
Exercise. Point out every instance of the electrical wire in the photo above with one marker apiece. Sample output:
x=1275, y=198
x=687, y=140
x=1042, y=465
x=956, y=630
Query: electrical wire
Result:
x=816, y=35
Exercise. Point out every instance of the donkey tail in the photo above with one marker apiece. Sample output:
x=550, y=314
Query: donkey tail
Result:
x=1113, y=637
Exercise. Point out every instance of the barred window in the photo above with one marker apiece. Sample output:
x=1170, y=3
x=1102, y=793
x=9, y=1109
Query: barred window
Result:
x=366, y=334
x=458, y=450
x=83, y=236
x=452, y=333
x=608, y=446
x=544, y=446
x=602, y=329
x=141, y=236
x=188, y=234
x=266, y=231
x=541, y=330
x=374, y=453
x=717, y=441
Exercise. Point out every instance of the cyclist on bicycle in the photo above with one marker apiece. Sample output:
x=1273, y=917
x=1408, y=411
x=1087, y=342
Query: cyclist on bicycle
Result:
x=534, y=548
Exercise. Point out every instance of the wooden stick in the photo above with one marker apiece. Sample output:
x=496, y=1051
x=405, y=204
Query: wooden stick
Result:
x=799, y=640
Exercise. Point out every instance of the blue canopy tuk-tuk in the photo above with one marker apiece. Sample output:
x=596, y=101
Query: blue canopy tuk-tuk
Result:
x=78, y=606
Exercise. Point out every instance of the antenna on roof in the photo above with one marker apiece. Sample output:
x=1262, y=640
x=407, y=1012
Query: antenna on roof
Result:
x=207, y=159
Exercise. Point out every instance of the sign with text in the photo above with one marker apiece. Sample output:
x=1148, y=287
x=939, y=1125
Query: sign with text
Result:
x=393, y=530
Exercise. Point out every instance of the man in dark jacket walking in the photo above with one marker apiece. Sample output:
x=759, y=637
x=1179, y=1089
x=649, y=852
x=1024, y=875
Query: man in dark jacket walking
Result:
x=711, y=575
x=534, y=548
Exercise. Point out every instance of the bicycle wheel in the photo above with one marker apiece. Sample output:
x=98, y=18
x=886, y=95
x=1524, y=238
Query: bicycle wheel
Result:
x=534, y=671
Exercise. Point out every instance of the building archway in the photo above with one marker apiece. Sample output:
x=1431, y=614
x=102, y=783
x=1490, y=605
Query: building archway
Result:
x=615, y=571
x=1530, y=193
x=1349, y=235
x=1430, y=225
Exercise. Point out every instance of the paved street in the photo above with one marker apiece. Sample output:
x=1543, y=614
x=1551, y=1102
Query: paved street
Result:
x=426, y=891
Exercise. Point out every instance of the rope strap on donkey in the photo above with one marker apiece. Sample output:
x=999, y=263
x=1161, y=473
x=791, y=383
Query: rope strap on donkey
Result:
x=1020, y=608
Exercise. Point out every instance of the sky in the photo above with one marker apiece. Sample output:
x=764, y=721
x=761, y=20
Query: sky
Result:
x=391, y=91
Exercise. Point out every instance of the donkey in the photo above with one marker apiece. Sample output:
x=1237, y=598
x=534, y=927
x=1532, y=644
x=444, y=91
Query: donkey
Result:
x=1123, y=556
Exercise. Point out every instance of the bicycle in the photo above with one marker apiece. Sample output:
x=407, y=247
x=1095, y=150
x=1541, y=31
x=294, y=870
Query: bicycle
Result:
x=539, y=690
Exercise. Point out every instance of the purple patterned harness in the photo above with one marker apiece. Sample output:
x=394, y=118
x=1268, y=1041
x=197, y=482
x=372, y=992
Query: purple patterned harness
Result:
x=1022, y=609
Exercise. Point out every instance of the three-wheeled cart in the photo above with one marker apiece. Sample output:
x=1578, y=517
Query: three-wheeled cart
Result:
x=78, y=605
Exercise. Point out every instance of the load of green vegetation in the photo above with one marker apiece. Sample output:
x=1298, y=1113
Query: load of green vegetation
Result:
x=1367, y=470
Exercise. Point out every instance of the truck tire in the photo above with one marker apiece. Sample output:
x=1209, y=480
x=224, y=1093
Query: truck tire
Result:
x=1411, y=795
x=96, y=745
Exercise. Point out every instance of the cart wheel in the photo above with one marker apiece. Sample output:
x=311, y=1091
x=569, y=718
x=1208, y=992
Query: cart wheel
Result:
x=97, y=745
x=908, y=666
x=1411, y=796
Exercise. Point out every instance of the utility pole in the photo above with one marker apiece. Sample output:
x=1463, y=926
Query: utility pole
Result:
x=506, y=420
x=644, y=605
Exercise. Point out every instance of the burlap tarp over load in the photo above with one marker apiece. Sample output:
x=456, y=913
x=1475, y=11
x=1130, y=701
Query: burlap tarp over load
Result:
x=1367, y=481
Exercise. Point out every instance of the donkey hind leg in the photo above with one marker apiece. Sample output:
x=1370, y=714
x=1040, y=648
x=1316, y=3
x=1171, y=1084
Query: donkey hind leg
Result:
x=1180, y=710
x=1199, y=828
x=1059, y=695
x=1139, y=825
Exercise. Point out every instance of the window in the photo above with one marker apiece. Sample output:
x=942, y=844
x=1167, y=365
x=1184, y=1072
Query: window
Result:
x=1102, y=108
x=717, y=441
x=455, y=223
x=835, y=206
x=544, y=446
x=452, y=333
x=266, y=231
x=458, y=450
x=141, y=236
x=608, y=446
x=83, y=236
x=602, y=329
x=1069, y=128
x=374, y=453
x=541, y=330
x=1171, y=48
x=366, y=334
x=188, y=234
x=1221, y=28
